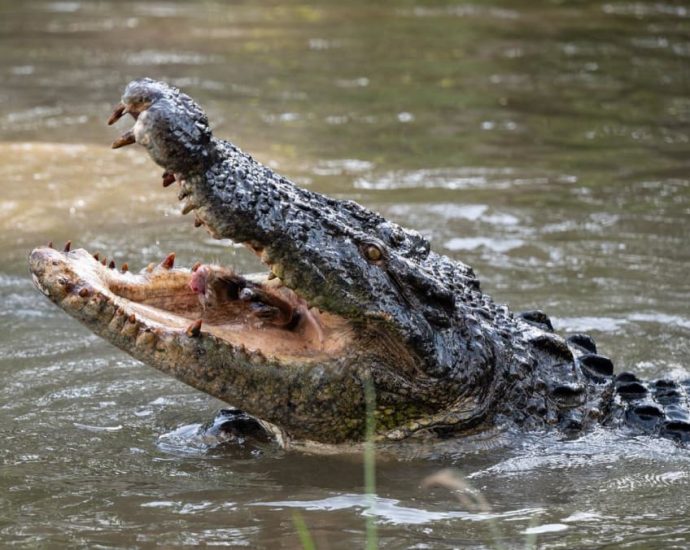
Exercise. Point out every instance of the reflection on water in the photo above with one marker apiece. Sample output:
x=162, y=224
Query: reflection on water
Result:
x=389, y=510
x=546, y=144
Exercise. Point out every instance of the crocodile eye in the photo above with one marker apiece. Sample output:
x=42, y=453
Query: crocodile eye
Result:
x=373, y=252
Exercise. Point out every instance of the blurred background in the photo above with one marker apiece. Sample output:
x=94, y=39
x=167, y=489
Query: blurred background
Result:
x=544, y=143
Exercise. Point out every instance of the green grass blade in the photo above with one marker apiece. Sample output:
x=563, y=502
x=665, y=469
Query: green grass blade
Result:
x=303, y=531
x=370, y=466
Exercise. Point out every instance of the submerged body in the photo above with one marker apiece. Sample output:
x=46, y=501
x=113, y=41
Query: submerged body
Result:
x=353, y=299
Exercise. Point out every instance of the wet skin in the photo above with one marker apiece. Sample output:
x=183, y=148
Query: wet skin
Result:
x=351, y=299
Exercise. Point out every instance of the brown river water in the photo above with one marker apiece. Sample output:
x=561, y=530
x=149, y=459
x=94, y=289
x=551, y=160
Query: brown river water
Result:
x=544, y=143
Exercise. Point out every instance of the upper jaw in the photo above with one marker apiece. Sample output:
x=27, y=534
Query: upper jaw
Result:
x=311, y=244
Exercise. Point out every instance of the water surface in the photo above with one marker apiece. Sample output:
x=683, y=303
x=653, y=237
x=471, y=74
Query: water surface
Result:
x=543, y=143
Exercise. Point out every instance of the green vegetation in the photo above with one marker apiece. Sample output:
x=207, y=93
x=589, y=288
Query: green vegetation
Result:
x=303, y=531
x=370, y=465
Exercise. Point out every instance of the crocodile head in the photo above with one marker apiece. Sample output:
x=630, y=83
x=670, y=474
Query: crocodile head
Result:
x=350, y=298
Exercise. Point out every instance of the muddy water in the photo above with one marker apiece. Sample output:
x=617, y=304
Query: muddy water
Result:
x=544, y=143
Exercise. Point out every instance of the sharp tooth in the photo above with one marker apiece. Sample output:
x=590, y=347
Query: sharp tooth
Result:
x=194, y=330
x=68, y=246
x=130, y=329
x=119, y=110
x=196, y=266
x=104, y=261
x=125, y=139
x=188, y=208
x=198, y=222
x=168, y=179
x=169, y=261
x=183, y=194
x=50, y=244
x=96, y=257
x=125, y=267
x=277, y=269
x=111, y=265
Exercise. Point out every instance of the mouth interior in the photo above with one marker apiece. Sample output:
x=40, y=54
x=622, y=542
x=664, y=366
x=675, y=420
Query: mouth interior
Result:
x=252, y=311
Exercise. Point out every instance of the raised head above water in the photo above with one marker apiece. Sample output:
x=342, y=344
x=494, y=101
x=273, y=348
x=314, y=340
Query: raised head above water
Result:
x=350, y=299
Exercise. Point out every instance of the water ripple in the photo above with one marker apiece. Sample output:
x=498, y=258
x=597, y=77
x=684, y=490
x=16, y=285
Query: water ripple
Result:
x=641, y=481
x=388, y=510
x=456, y=178
x=158, y=57
x=472, y=243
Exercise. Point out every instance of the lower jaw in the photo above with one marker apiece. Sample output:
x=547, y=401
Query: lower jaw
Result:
x=157, y=302
x=271, y=373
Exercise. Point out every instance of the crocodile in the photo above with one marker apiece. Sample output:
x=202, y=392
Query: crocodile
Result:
x=352, y=302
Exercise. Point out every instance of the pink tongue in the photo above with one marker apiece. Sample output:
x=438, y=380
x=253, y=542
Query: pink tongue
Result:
x=197, y=284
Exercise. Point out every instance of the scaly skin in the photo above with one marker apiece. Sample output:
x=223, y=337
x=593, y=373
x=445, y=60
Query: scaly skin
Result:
x=443, y=358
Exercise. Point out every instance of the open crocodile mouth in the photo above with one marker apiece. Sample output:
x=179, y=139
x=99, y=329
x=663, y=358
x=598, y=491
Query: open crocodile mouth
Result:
x=250, y=340
x=254, y=314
